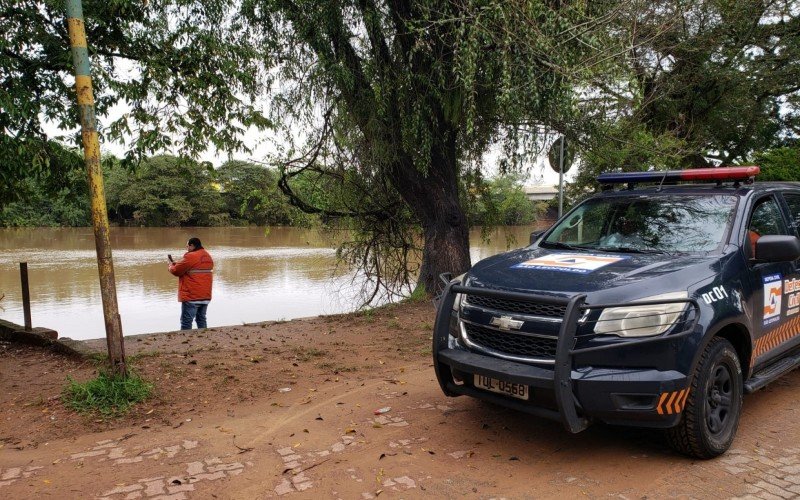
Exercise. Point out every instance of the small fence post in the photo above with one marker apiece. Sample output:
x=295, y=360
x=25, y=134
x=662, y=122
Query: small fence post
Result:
x=26, y=295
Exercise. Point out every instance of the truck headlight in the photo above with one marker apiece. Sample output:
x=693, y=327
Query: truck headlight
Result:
x=642, y=321
x=457, y=302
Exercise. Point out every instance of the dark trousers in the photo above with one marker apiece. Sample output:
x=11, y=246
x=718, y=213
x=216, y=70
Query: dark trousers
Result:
x=196, y=312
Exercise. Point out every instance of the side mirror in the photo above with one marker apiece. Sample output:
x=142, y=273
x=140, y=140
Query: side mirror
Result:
x=777, y=248
x=535, y=236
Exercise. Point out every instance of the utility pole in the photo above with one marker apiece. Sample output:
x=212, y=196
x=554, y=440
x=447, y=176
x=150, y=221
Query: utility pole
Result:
x=561, y=177
x=91, y=151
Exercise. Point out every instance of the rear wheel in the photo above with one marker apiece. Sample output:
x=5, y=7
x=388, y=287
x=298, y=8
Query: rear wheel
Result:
x=714, y=405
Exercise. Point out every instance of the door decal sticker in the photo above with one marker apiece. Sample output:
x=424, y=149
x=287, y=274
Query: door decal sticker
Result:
x=773, y=288
x=776, y=338
x=791, y=287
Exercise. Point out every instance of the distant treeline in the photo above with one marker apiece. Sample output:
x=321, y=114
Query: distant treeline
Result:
x=163, y=191
x=170, y=191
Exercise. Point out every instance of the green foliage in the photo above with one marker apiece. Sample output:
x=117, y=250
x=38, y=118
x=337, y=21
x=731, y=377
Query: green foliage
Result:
x=624, y=146
x=165, y=191
x=701, y=82
x=42, y=205
x=251, y=195
x=183, y=70
x=733, y=63
x=500, y=201
x=46, y=169
x=107, y=395
x=162, y=190
x=779, y=164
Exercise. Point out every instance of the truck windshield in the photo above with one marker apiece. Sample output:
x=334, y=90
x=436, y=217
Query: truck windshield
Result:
x=661, y=223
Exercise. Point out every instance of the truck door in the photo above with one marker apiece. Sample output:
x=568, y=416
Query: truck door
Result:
x=773, y=327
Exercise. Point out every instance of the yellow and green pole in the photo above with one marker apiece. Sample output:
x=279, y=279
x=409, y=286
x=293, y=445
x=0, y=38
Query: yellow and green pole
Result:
x=91, y=150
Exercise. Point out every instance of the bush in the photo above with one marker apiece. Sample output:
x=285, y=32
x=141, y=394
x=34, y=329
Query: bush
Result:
x=500, y=201
x=779, y=164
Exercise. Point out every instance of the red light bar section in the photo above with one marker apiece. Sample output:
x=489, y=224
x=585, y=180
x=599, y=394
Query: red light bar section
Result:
x=720, y=174
x=697, y=174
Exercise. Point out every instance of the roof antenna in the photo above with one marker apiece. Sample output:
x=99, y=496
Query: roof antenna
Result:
x=660, y=184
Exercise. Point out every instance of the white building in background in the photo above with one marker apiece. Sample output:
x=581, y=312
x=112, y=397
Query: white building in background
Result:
x=541, y=193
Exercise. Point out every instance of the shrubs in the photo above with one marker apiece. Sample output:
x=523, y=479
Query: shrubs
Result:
x=500, y=201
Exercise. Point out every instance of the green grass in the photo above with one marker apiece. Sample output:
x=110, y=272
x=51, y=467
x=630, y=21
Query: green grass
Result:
x=107, y=395
x=367, y=314
x=418, y=295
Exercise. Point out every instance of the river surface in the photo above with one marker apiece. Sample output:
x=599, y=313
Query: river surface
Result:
x=260, y=274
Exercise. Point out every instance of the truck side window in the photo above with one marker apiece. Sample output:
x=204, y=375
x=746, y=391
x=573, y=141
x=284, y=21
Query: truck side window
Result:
x=793, y=200
x=766, y=219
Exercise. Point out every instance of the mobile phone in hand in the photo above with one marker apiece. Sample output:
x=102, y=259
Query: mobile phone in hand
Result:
x=169, y=256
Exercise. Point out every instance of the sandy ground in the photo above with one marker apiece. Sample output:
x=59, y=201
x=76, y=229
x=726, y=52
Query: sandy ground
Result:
x=288, y=409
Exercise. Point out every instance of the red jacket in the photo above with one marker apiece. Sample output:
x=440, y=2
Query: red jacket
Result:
x=194, y=272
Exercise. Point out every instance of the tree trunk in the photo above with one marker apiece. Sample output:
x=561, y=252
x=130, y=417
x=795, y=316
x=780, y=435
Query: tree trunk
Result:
x=446, y=245
x=433, y=197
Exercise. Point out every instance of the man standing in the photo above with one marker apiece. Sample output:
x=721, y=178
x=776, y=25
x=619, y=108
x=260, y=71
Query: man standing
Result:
x=194, y=272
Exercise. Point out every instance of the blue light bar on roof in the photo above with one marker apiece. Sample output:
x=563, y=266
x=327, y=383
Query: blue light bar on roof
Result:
x=696, y=174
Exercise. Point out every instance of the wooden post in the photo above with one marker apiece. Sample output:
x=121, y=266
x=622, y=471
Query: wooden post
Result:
x=91, y=150
x=26, y=295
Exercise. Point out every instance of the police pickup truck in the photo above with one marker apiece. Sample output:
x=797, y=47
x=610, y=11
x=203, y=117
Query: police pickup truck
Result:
x=647, y=306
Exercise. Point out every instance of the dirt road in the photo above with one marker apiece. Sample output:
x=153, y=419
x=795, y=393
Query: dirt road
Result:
x=223, y=425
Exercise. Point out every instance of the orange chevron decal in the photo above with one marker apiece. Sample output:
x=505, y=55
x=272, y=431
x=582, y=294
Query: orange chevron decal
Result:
x=775, y=338
x=671, y=403
x=683, y=400
x=660, y=408
x=670, y=410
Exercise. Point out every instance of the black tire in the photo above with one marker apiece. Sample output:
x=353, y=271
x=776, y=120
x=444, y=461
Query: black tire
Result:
x=711, y=415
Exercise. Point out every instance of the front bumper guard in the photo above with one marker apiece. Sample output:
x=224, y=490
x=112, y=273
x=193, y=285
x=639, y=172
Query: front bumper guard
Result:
x=559, y=378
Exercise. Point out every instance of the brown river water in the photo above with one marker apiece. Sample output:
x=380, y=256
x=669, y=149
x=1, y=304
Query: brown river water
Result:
x=260, y=274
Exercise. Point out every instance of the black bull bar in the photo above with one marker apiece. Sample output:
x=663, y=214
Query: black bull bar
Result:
x=559, y=378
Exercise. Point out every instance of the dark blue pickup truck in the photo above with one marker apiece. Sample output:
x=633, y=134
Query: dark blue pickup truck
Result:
x=649, y=306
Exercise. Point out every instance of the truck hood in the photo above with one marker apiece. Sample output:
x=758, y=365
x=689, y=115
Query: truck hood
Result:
x=604, y=277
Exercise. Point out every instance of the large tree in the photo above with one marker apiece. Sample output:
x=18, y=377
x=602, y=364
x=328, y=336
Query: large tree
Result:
x=400, y=99
x=390, y=102
x=165, y=191
x=717, y=73
x=705, y=81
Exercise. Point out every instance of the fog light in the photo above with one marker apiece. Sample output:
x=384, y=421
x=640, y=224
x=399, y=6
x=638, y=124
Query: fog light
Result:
x=634, y=401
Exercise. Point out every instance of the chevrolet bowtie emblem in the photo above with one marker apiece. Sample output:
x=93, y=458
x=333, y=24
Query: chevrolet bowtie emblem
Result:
x=506, y=323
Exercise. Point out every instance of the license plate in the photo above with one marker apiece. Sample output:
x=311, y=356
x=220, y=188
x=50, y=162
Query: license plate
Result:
x=518, y=391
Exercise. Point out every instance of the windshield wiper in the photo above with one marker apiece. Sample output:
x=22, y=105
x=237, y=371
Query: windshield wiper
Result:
x=567, y=246
x=629, y=250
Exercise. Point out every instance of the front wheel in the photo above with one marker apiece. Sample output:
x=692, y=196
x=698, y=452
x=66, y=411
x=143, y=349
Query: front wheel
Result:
x=714, y=405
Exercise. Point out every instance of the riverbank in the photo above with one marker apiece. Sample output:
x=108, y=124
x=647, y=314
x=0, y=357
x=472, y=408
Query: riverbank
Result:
x=343, y=406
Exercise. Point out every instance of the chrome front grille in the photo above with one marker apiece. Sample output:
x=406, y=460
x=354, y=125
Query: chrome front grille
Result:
x=518, y=306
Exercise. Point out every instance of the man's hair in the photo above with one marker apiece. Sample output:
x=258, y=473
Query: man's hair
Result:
x=195, y=242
